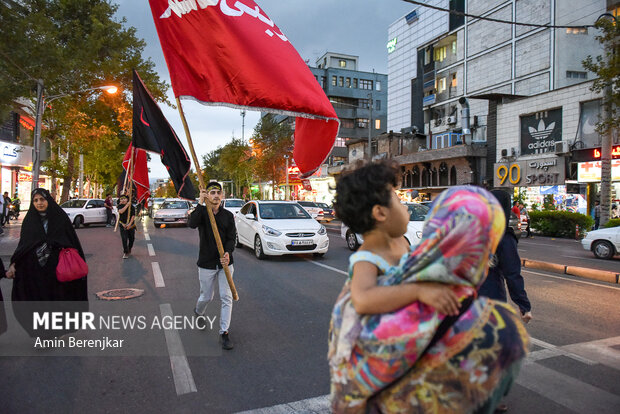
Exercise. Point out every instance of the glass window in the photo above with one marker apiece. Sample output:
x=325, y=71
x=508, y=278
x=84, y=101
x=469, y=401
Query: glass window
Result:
x=280, y=211
x=347, y=123
x=378, y=105
x=347, y=82
x=576, y=74
x=366, y=84
x=341, y=81
x=73, y=204
x=340, y=142
x=362, y=122
x=427, y=55
x=363, y=103
x=343, y=63
x=355, y=83
x=323, y=80
x=417, y=212
x=246, y=208
x=441, y=85
x=334, y=80
x=576, y=30
x=590, y=115
x=377, y=124
x=378, y=85
x=453, y=83
x=174, y=205
x=440, y=54
x=233, y=203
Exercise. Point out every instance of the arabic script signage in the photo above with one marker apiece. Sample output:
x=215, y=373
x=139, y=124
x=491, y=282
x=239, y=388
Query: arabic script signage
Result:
x=590, y=172
x=13, y=154
x=540, y=132
x=544, y=171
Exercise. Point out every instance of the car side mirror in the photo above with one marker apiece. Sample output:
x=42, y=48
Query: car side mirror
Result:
x=89, y=206
x=250, y=216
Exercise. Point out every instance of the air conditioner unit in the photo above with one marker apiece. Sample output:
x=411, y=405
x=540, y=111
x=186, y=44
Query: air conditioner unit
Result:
x=562, y=147
x=452, y=119
x=438, y=121
x=504, y=152
x=514, y=151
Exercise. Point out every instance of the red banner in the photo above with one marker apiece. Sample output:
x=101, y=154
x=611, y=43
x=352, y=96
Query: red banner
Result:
x=230, y=53
x=140, y=176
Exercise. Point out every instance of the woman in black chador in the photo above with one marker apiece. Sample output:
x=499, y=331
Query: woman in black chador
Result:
x=46, y=230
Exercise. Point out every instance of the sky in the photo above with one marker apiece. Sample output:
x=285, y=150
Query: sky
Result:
x=352, y=27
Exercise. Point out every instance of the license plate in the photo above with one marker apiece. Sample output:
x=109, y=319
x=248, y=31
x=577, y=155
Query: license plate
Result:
x=168, y=219
x=301, y=242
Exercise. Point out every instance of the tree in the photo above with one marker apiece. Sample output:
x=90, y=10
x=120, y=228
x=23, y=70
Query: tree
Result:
x=237, y=162
x=607, y=69
x=211, y=167
x=272, y=140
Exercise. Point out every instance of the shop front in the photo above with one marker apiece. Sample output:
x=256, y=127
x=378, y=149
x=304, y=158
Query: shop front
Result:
x=16, y=171
x=588, y=166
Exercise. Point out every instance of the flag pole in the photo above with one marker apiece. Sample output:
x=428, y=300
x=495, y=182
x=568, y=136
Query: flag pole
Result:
x=130, y=183
x=201, y=182
x=125, y=186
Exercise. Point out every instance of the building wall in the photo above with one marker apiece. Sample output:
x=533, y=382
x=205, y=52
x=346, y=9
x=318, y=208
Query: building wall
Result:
x=569, y=98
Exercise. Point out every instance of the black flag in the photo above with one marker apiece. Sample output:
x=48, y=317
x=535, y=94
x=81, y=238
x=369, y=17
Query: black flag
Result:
x=152, y=132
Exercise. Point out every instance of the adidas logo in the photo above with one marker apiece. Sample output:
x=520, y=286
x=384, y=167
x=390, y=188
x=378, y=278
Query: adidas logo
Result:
x=542, y=132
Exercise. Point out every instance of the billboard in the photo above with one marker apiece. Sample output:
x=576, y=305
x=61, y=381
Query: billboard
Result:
x=540, y=132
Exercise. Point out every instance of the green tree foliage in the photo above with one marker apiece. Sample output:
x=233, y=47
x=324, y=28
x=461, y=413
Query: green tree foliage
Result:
x=560, y=223
x=272, y=140
x=237, y=162
x=607, y=70
x=212, y=169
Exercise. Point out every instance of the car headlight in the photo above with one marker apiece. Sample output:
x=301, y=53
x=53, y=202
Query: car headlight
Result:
x=271, y=232
x=322, y=230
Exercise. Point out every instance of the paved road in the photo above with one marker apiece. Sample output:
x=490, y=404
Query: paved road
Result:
x=280, y=331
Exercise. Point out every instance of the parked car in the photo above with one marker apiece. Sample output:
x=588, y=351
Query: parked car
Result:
x=84, y=211
x=172, y=211
x=313, y=209
x=517, y=224
x=417, y=215
x=604, y=243
x=233, y=204
x=275, y=228
x=328, y=212
x=154, y=204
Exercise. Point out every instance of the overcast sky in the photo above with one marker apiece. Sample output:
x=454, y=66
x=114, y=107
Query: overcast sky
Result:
x=353, y=27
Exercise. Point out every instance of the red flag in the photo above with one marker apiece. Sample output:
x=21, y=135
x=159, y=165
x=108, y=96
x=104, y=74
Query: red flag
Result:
x=140, y=175
x=229, y=53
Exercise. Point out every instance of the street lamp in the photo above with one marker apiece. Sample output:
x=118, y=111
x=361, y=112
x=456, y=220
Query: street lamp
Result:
x=286, y=191
x=42, y=101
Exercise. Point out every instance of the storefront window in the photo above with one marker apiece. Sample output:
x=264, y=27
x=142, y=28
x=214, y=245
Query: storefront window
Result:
x=590, y=113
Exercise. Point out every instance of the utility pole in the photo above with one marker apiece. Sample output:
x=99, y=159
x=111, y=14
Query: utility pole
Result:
x=606, y=147
x=370, y=127
x=243, y=126
x=286, y=191
x=36, y=162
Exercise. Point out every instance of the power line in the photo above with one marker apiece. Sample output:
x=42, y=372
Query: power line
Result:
x=490, y=19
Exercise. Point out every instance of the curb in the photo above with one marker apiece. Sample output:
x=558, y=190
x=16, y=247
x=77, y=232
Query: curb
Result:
x=600, y=275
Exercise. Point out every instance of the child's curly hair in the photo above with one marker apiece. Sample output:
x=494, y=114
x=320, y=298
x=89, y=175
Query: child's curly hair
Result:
x=358, y=190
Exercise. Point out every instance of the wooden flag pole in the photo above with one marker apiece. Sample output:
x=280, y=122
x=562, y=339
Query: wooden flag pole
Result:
x=201, y=182
x=132, y=167
x=124, y=186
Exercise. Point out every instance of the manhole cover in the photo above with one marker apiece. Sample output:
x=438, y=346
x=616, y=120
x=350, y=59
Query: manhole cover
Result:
x=120, y=294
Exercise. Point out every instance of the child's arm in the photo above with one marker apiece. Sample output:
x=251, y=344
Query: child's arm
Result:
x=368, y=298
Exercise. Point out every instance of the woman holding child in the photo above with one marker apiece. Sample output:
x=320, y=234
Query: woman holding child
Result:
x=408, y=332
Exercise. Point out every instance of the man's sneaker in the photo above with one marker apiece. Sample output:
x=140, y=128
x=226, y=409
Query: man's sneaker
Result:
x=226, y=342
x=108, y=225
x=125, y=256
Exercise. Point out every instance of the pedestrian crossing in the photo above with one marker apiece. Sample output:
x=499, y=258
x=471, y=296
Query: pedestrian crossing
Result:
x=574, y=394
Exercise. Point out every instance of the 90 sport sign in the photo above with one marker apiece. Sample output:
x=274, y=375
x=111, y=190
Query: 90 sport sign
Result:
x=546, y=171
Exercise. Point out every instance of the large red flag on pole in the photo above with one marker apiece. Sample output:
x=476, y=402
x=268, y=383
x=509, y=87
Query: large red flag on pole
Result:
x=140, y=173
x=229, y=53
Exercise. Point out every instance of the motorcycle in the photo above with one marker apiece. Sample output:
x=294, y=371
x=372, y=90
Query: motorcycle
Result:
x=13, y=211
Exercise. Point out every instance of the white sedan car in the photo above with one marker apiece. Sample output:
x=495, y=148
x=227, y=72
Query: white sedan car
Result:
x=233, y=204
x=275, y=228
x=172, y=211
x=417, y=215
x=604, y=243
x=87, y=211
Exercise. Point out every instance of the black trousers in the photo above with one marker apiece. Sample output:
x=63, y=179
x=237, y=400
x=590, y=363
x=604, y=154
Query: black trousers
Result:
x=108, y=214
x=128, y=237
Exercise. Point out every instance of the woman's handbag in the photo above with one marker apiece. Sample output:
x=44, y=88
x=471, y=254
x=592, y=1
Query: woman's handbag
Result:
x=70, y=266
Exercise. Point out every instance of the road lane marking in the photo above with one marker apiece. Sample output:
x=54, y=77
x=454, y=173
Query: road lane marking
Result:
x=558, y=351
x=147, y=236
x=541, y=244
x=571, y=280
x=562, y=389
x=149, y=246
x=586, y=258
x=181, y=373
x=310, y=405
x=159, y=278
x=342, y=272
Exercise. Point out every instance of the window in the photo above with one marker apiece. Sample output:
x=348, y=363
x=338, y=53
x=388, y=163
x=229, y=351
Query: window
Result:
x=361, y=122
x=453, y=83
x=577, y=30
x=334, y=80
x=347, y=123
x=341, y=81
x=355, y=83
x=365, y=84
x=363, y=103
x=440, y=54
x=441, y=85
x=343, y=63
x=378, y=105
x=427, y=55
x=377, y=124
x=340, y=142
x=576, y=74
x=590, y=115
x=323, y=80
x=454, y=47
x=347, y=82
x=378, y=85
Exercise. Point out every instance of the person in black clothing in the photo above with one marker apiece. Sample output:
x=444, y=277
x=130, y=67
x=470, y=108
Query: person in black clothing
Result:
x=127, y=218
x=209, y=261
x=2, y=313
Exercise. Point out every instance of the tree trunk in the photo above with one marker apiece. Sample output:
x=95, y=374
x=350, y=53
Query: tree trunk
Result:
x=68, y=178
x=53, y=174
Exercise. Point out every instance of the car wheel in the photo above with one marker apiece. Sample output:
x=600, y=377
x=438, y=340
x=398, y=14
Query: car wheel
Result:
x=113, y=221
x=237, y=244
x=319, y=254
x=603, y=249
x=157, y=226
x=258, y=248
x=352, y=241
x=77, y=222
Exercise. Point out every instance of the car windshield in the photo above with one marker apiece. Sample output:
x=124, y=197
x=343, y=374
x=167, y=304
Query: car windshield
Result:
x=281, y=211
x=417, y=212
x=180, y=205
x=323, y=205
x=73, y=204
x=158, y=200
x=234, y=203
x=307, y=203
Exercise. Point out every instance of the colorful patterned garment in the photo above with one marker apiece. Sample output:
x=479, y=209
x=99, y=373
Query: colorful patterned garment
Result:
x=379, y=355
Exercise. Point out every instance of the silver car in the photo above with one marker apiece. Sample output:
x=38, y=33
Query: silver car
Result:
x=172, y=211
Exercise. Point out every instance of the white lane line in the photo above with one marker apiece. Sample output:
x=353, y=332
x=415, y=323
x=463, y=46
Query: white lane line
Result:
x=583, y=258
x=327, y=267
x=599, y=351
x=562, y=389
x=560, y=351
x=541, y=244
x=159, y=278
x=182, y=374
x=149, y=246
x=571, y=280
x=311, y=405
x=147, y=236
